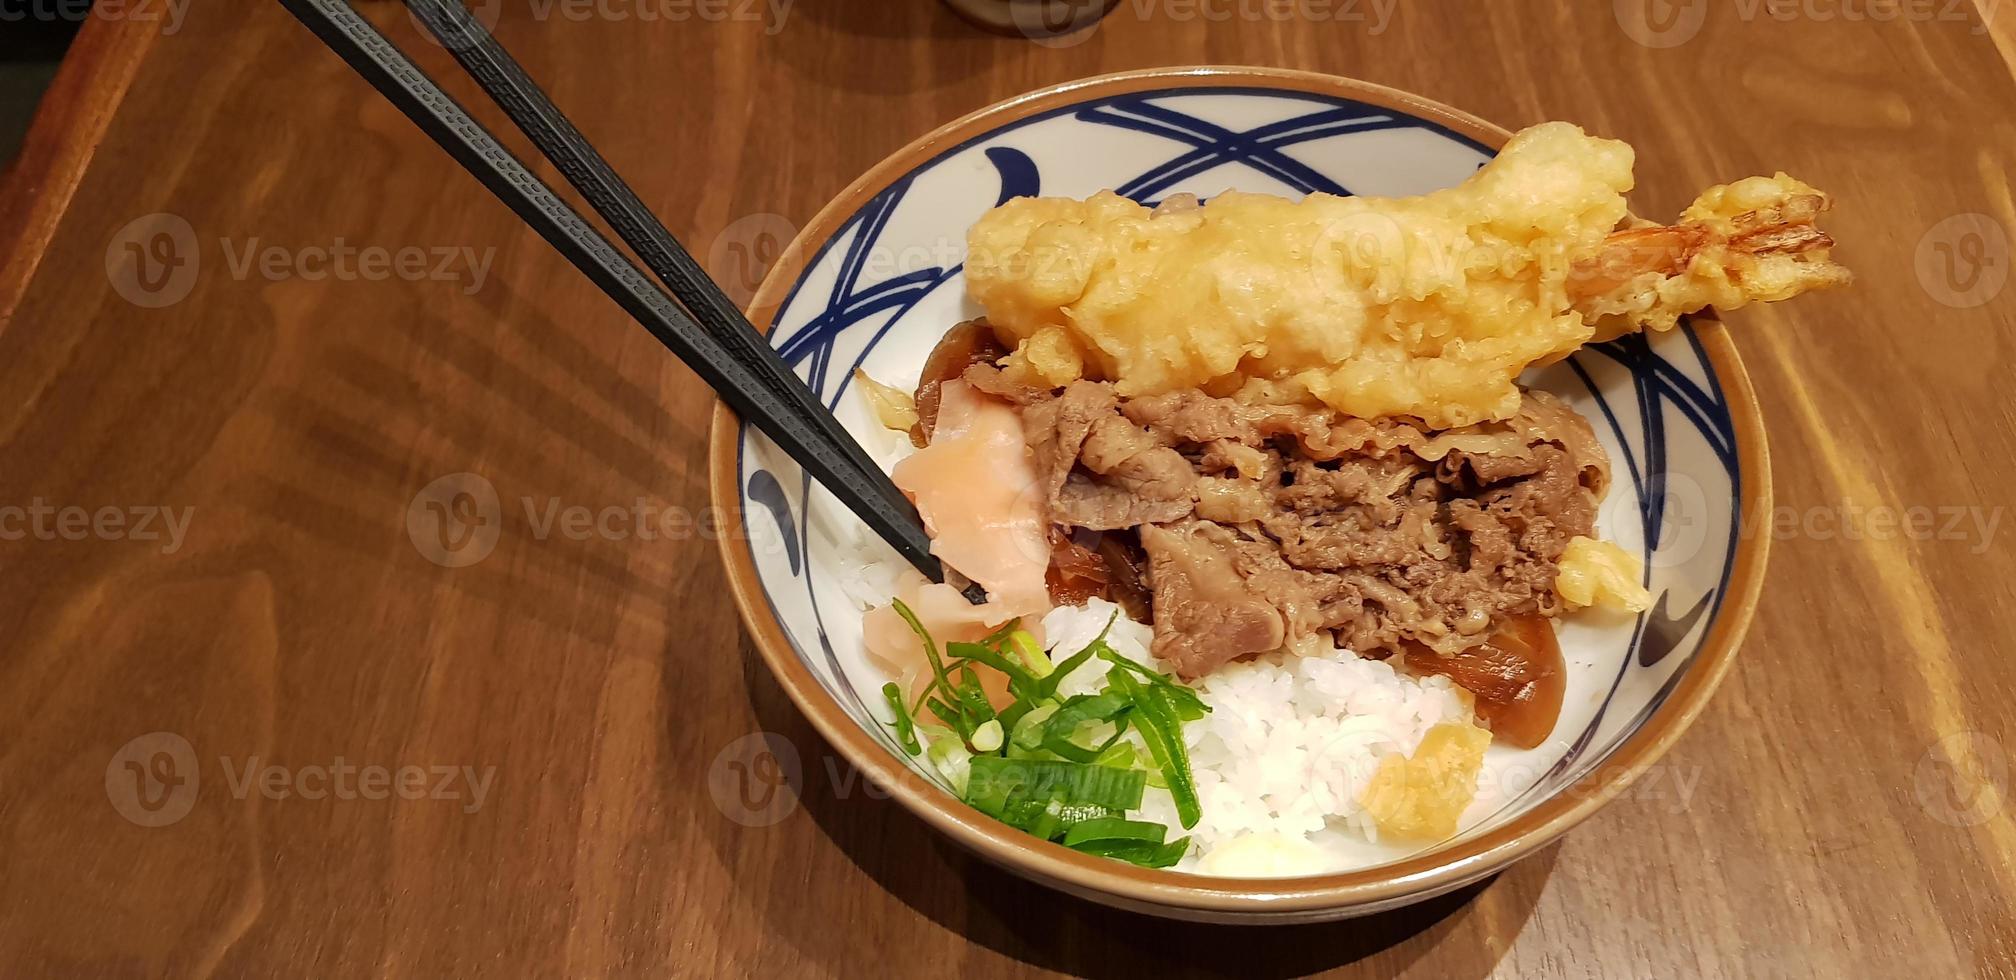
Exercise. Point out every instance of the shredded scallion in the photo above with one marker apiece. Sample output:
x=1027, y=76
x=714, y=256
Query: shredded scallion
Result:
x=1060, y=767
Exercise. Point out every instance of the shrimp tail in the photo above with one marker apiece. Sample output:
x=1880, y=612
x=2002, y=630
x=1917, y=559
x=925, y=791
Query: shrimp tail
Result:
x=1756, y=240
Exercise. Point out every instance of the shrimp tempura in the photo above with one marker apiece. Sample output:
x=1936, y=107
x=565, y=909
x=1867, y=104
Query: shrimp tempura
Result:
x=1426, y=306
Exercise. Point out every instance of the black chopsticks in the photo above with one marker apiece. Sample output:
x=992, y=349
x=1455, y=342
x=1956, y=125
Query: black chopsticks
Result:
x=549, y=129
x=727, y=353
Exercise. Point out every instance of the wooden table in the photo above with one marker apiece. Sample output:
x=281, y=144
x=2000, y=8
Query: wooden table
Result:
x=293, y=647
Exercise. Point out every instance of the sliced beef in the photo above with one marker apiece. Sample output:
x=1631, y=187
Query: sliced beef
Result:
x=1192, y=416
x=1099, y=471
x=1264, y=523
x=1220, y=595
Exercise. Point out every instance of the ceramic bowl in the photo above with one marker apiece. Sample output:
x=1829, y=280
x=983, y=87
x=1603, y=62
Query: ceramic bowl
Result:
x=876, y=278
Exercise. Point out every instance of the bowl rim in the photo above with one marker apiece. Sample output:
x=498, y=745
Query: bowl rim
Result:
x=1421, y=875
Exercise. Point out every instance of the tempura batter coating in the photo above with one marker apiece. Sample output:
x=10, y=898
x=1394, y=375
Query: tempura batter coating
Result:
x=1426, y=306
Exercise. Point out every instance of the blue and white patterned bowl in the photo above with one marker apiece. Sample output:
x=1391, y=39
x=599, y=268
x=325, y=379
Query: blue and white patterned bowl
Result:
x=877, y=277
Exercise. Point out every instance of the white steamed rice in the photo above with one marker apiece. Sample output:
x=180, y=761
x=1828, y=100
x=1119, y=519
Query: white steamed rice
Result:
x=1286, y=752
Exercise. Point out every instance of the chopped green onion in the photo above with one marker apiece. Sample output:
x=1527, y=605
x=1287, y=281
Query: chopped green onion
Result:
x=906, y=728
x=973, y=698
x=1056, y=767
x=947, y=714
x=1012, y=715
x=1032, y=655
x=987, y=738
x=1051, y=681
x=1021, y=682
x=998, y=784
x=1155, y=716
x=949, y=756
x=993, y=640
x=1046, y=821
x=1114, y=829
x=1190, y=706
x=938, y=673
x=1121, y=755
x=1084, y=709
x=1143, y=853
x=1028, y=733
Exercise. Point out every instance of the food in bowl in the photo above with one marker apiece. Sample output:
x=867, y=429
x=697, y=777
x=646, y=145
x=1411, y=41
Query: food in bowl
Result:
x=1273, y=542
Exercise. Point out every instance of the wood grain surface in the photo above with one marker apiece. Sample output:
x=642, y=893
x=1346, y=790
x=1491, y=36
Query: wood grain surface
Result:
x=202, y=734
